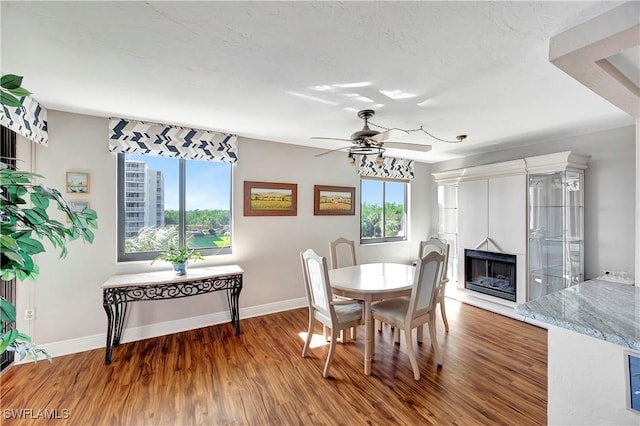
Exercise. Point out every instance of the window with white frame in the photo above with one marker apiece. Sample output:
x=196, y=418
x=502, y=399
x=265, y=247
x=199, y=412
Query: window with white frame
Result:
x=383, y=210
x=166, y=202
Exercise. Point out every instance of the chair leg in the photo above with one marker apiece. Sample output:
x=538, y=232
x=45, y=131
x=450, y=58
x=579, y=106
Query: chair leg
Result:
x=332, y=349
x=379, y=325
x=312, y=322
x=324, y=332
x=434, y=341
x=353, y=333
x=444, y=315
x=411, y=353
x=396, y=335
x=420, y=334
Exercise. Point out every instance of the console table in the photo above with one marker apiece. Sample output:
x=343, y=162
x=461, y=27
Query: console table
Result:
x=119, y=290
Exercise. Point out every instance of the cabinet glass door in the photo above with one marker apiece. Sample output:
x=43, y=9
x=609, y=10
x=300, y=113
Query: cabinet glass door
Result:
x=555, y=232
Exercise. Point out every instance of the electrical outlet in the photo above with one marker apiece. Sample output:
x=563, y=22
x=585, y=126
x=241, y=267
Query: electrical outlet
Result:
x=29, y=314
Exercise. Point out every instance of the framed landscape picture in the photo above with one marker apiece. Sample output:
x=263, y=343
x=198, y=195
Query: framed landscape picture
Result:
x=79, y=206
x=270, y=199
x=77, y=183
x=333, y=200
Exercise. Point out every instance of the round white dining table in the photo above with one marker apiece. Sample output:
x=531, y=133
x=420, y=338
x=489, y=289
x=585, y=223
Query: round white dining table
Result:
x=371, y=282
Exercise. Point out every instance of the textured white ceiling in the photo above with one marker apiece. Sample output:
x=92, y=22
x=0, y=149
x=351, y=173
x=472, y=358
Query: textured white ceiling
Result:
x=287, y=71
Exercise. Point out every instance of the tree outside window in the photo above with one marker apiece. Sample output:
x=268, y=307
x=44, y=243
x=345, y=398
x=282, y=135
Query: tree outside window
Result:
x=383, y=211
x=169, y=202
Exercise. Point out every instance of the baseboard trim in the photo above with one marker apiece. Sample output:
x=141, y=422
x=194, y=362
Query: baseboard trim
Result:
x=97, y=341
x=506, y=309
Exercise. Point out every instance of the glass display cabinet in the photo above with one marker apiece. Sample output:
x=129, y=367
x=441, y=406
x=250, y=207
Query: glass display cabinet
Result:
x=448, y=225
x=556, y=230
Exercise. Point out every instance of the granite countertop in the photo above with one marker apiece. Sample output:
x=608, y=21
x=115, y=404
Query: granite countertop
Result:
x=605, y=310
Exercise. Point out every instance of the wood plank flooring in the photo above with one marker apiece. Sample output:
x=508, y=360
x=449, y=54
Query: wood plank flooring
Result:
x=495, y=372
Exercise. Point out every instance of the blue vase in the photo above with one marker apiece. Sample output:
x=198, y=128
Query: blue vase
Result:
x=180, y=268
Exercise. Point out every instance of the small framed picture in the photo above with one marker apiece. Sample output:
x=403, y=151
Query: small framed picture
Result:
x=270, y=199
x=77, y=182
x=333, y=200
x=79, y=206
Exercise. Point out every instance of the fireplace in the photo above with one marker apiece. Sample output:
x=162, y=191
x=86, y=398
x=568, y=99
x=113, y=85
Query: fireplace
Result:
x=491, y=273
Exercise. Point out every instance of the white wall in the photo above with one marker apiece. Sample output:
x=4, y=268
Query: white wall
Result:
x=609, y=192
x=68, y=298
x=586, y=381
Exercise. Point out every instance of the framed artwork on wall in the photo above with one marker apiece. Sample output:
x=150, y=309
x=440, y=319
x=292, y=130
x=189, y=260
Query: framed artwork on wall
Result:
x=77, y=182
x=270, y=199
x=79, y=206
x=333, y=200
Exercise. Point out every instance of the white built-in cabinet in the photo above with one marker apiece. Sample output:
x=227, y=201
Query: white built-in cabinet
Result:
x=492, y=214
x=473, y=214
x=493, y=211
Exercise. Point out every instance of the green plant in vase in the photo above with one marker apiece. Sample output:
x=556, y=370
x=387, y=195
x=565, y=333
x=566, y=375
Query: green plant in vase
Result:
x=179, y=258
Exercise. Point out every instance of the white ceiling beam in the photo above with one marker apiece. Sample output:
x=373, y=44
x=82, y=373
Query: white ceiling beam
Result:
x=582, y=53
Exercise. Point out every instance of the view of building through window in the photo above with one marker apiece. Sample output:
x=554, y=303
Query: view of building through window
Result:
x=153, y=208
x=378, y=224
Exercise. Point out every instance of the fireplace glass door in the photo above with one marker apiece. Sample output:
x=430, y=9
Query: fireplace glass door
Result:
x=491, y=273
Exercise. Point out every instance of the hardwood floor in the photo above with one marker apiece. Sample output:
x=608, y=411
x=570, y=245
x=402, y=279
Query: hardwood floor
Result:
x=494, y=372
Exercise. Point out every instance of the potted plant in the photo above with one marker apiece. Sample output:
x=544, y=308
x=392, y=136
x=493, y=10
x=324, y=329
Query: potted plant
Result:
x=24, y=214
x=179, y=258
x=19, y=224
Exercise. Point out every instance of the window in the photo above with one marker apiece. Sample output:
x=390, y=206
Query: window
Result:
x=383, y=211
x=168, y=201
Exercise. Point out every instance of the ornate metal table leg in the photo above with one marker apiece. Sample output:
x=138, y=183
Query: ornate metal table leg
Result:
x=108, y=308
x=121, y=313
x=233, y=296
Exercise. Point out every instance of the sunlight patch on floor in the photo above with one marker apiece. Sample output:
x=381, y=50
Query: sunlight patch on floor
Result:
x=316, y=340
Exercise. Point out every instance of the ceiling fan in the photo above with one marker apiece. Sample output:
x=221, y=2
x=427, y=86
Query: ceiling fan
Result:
x=372, y=142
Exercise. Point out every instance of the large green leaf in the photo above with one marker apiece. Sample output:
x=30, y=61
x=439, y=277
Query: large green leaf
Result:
x=9, y=100
x=7, y=339
x=14, y=256
x=8, y=242
x=39, y=200
x=90, y=214
x=34, y=216
x=10, y=81
x=7, y=311
x=30, y=245
x=20, y=91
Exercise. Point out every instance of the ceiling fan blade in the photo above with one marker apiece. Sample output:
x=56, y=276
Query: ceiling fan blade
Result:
x=389, y=134
x=331, y=150
x=408, y=146
x=333, y=139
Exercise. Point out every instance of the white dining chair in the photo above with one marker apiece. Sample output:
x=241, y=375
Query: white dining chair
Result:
x=426, y=246
x=408, y=313
x=336, y=314
x=443, y=248
x=342, y=253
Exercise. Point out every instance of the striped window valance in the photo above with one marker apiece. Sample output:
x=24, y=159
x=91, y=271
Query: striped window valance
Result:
x=390, y=168
x=137, y=137
x=30, y=120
